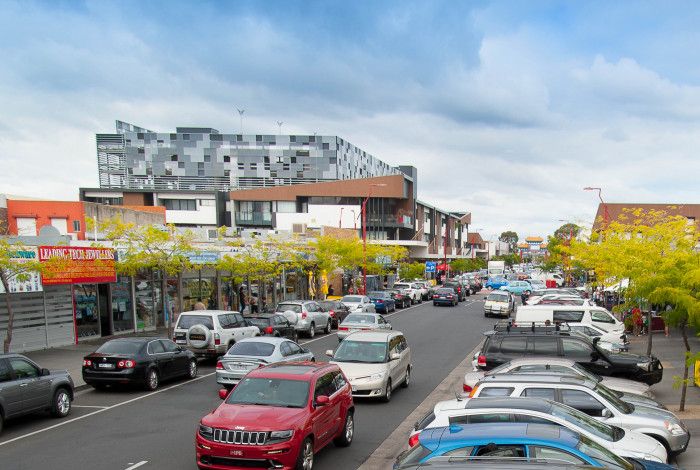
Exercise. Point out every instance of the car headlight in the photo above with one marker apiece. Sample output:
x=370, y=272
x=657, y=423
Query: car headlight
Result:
x=279, y=436
x=207, y=432
x=674, y=428
x=644, y=365
x=377, y=376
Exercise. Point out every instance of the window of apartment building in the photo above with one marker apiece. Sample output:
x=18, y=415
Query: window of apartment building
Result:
x=207, y=158
x=326, y=146
x=227, y=159
x=227, y=173
x=168, y=172
x=333, y=160
x=76, y=226
x=285, y=166
x=273, y=174
x=173, y=158
x=253, y=166
x=179, y=204
x=207, y=202
x=239, y=138
x=26, y=226
x=302, y=153
x=312, y=138
x=141, y=150
x=300, y=174
x=292, y=138
x=185, y=137
x=286, y=206
x=139, y=135
x=160, y=142
x=294, y=159
x=200, y=172
x=266, y=166
x=200, y=164
x=241, y=166
x=173, y=136
x=60, y=224
x=258, y=138
x=181, y=164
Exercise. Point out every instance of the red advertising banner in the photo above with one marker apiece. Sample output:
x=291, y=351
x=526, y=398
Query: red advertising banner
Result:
x=74, y=265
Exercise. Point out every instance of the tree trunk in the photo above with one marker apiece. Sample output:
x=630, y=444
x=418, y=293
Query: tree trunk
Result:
x=10, y=313
x=684, y=384
x=649, y=340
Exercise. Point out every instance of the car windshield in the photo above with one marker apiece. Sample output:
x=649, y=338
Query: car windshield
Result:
x=270, y=392
x=281, y=308
x=609, y=395
x=188, y=321
x=582, y=420
x=327, y=304
x=355, y=318
x=259, y=322
x=401, y=286
x=352, y=299
x=602, y=455
x=251, y=348
x=374, y=352
x=377, y=295
x=445, y=291
x=497, y=297
x=120, y=347
x=585, y=372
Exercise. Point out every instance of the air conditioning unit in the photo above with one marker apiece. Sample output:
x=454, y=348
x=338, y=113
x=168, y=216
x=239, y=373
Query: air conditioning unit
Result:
x=299, y=228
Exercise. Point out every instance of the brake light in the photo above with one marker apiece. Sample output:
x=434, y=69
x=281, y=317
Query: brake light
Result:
x=413, y=440
x=128, y=364
x=343, y=328
x=331, y=313
x=466, y=388
x=435, y=296
x=219, y=365
x=303, y=315
x=269, y=330
x=450, y=296
x=217, y=339
x=380, y=301
x=481, y=360
x=87, y=362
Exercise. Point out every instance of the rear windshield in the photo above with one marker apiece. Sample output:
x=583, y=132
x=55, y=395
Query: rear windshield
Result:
x=568, y=316
x=259, y=322
x=352, y=298
x=354, y=318
x=445, y=291
x=120, y=347
x=296, y=308
x=497, y=297
x=327, y=304
x=412, y=456
x=187, y=321
x=250, y=348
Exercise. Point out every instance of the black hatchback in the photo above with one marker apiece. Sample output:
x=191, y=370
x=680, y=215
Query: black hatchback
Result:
x=336, y=309
x=272, y=324
x=140, y=361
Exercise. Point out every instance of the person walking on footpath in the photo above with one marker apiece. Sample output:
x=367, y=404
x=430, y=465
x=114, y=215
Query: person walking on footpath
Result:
x=200, y=305
x=241, y=298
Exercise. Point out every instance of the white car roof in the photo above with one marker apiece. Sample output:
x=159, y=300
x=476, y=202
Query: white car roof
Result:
x=208, y=313
x=372, y=336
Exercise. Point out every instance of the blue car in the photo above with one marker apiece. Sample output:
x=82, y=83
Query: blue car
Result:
x=508, y=441
x=518, y=287
x=383, y=301
x=496, y=282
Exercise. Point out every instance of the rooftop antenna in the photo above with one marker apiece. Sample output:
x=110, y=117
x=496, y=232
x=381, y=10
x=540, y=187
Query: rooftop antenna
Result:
x=279, y=124
x=240, y=114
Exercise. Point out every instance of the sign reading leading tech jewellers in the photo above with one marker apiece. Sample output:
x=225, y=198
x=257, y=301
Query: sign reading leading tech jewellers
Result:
x=74, y=265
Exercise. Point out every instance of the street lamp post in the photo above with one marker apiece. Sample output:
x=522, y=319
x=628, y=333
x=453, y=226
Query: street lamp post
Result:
x=364, y=236
x=340, y=222
x=606, y=215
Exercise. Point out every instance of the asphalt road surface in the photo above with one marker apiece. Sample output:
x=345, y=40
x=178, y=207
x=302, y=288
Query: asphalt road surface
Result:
x=129, y=429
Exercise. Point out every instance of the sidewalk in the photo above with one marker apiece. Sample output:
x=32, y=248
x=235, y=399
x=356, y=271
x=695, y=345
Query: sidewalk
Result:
x=71, y=357
x=670, y=352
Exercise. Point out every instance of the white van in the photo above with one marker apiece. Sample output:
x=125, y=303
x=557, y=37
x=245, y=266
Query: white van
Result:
x=584, y=314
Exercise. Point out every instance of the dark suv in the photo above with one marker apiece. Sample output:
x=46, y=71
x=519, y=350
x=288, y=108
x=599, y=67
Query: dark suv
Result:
x=458, y=288
x=513, y=342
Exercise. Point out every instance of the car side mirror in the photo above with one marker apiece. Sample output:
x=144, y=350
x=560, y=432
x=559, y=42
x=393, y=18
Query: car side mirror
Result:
x=595, y=355
x=304, y=350
x=322, y=400
x=606, y=413
x=395, y=356
x=223, y=393
x=329, y=352
x=45, y=372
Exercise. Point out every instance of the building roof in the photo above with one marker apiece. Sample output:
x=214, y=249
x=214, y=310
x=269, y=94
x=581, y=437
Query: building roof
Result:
x=534, y=239
x=523, y=245
x=474, y=238
x=618, y=211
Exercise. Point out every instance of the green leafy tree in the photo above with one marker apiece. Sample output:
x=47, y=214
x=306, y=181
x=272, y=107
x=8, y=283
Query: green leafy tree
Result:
x=510, y=259
x=467, y=265
x=412, y=270
x=511, y=238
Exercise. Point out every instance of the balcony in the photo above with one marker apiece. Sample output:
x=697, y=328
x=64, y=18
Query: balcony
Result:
x=254, y=219
x=389, y=221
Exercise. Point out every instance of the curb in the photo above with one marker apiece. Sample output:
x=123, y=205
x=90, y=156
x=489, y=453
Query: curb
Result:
x=385, y=455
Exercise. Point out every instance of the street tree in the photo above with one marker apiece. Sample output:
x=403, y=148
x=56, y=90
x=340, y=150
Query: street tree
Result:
x=467, y=265
x=412, y=270
x=511, y=238
x=510, y=259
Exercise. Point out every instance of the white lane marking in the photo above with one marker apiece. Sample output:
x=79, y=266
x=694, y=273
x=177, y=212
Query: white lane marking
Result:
x=63, y=423
x=333, y=334
x=137, y=465
x=88, y=406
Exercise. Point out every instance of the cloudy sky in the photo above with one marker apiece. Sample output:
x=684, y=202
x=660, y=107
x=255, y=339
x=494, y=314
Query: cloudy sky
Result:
x=508, y=109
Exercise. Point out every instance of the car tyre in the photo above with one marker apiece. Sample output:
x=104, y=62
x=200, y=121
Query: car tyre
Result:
x=152, y=379
x=407, y=380
x=387, y=393
x=435, y=304
x=312, y=330
x=348, y=432
x=60, y=406
x=329, y=328
x=192, y=369
x=305, y=459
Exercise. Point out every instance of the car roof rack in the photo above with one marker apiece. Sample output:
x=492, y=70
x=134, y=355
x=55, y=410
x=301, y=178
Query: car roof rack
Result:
x=510, y=326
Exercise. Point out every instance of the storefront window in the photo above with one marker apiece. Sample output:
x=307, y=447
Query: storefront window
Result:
x=147, y=287
x=199, y=286
x=122, y=316
x=86, y=312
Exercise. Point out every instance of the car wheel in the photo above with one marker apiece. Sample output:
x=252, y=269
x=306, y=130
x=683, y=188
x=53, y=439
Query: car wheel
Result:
x=60, y=406
x=434, y=304
x=345, y=439
x=192, y=369
x=328, y=328
x=312, y=330
x=407, y=380
x=152, y=379
x=305, y=460
x=387, y=392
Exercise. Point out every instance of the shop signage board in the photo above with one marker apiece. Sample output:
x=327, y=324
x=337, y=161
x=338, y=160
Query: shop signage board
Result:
x=75, y=265
x=33, y=281
x=204, y=257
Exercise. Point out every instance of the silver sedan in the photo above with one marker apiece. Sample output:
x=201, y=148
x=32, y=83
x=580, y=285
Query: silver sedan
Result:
x=362, y=322
x=251, y=353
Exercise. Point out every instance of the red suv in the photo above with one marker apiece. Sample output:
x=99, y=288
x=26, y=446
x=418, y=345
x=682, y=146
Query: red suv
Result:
x=278, y=417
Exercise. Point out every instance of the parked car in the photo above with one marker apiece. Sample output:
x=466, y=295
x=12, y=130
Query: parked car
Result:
x=374, y=362
x=543, y=365
x=307, y=316
x=499, y=303
x=209, y=333
x=506, y=441
x=278, y=416
x=537, y=284
x=445, y=296
x=362, y=322
x=514, y=342
x=459, y=289
x=26, y=388
x=336, y=309
x=624, y=443
x=139, y=360
x=609, y=341
x=251, y=353
x=584, y=314
x=412, y=290
x=475, y=283
x=358, y=303
x=383, y=302
x=423, y=287
x=273, y=324
x=589, y=397
x=518, y=287
x=402, y=300
x=496, y=282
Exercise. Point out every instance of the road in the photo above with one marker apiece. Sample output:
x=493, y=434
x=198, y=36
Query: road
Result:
x=129, y=429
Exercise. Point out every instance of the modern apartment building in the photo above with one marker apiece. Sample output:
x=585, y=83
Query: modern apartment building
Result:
x=203, y=159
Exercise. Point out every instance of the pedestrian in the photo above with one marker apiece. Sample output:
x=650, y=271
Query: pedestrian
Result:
x=523, y=298
x=200, y=305
x=241, y=298
x=330, y=291
x=253, y=304
x=637, y=321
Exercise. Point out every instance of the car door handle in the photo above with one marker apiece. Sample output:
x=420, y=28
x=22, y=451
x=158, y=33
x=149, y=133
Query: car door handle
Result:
x=23, y=385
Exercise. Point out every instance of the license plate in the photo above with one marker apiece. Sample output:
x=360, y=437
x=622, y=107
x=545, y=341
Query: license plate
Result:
x=180, y=341
x=105, y=366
